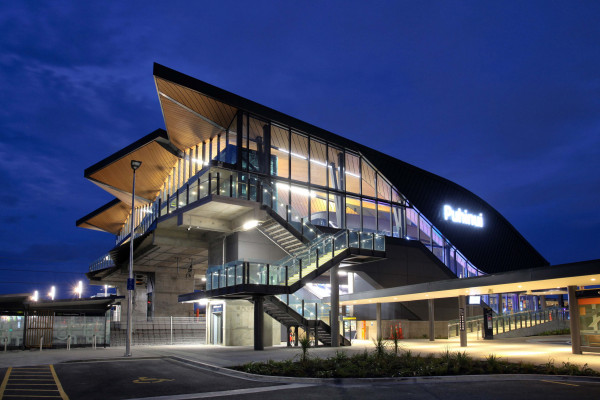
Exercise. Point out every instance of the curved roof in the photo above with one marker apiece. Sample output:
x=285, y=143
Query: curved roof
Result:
x=498, y=247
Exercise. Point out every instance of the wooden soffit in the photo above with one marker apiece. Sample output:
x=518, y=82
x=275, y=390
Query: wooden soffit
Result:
x=116, y=176
x=108, y=218
x=191, y=117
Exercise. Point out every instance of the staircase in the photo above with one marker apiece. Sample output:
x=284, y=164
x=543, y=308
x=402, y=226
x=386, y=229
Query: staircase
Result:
x=281, y=236
x=286, y=316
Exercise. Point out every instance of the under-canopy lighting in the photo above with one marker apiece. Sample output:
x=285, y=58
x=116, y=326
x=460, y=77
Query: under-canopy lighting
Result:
x=135, y=164
x=52, y=293
x=79, y=289
x=250, y=224
x=463, y=217
x=36, y=295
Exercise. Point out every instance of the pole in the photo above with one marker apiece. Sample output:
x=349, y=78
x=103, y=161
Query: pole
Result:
x=130, y=282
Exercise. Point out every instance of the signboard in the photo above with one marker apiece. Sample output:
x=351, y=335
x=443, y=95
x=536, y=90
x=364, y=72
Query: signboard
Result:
x=461, y=216
x=130, y=284
x=216, y=308
x=461, y=319
x=474, y=300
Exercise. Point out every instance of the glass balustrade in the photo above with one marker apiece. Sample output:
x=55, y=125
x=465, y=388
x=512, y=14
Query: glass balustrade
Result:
x=236, y=184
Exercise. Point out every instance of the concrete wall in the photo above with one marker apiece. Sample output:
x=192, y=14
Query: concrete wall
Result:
x=249, y=245
x=167, y=287
x=238, y=325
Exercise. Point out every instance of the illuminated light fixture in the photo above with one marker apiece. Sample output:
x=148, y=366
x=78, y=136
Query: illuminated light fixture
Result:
x=203, y=279
x=36, y=295
x=250, y=224
x=463, y=217
x=593, y=279
x=352, y=174
x=52, y=293
x=342, y=273
x=79, y=289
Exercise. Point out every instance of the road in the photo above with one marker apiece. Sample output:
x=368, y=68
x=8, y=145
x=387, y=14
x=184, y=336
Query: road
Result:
x=166, y=378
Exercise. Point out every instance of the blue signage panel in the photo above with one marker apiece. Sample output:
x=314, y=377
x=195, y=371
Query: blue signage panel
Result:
x=216, y=308
x=130, y=284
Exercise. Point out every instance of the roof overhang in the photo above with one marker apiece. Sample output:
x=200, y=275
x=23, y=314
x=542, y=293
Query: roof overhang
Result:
x=191, y=116
x=114, y=173
x=108, y=218
x=585, y=273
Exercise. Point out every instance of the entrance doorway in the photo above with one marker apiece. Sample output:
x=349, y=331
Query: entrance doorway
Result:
x=216, y=324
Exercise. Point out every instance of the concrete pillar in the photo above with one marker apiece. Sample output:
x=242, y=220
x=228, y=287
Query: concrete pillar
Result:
x=543, y=302
x=296, y=336
x=259, y=318
x=574, y=319
x=462, y=318
x=431, y=320
x=378, y=312
x=334, y=322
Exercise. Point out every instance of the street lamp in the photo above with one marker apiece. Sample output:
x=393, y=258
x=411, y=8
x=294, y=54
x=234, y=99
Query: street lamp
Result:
x=130, y=281
x=79, y=289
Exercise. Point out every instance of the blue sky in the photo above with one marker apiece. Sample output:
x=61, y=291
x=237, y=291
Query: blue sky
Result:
x=500, y=97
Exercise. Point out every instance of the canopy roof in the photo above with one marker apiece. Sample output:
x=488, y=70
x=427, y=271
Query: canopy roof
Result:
x=108, y=218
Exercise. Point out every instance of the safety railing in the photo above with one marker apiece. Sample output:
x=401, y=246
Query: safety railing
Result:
x=103, y=262
x=509, y=322
x=237, y=184
x=291, y=269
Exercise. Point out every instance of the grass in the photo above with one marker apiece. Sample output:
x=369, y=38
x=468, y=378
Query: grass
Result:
x=404, y=363
x=565, y=331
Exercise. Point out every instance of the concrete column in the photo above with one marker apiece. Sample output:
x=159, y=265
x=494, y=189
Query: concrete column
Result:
x=431, y=320
x=334, y=322
x=296, y=336
x=259, y=318
x=543, y=302
x=378, y=312
x=574, y=319
x=462, y=317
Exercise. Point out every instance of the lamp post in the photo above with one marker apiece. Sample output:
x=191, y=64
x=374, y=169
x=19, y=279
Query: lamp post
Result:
x=130, y=281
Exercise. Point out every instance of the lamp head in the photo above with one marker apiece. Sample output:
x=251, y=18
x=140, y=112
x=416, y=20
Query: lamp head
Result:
x=135, y=164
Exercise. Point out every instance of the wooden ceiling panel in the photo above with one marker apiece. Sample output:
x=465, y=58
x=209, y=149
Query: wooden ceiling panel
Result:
x=220, y=113
x=109, y=220
x=157, y=163
x=185, y=128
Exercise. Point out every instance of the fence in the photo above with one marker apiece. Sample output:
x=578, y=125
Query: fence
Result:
x=161, y=330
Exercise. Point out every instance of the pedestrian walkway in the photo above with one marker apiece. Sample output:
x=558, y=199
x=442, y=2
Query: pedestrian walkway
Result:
x=536, y=350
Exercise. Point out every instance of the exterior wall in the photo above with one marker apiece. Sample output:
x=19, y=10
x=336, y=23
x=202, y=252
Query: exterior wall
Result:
x=167, y=288
x=238, y=325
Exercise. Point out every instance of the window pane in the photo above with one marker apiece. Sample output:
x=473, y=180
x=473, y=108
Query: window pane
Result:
x=384, y=219
x=300, y=200
x=280, y=152
x=369, y=216
x=318, y=163
x=425, y=232
x=299, y=156
x=438, y=244
x=318, y=208
x=336, y=167
x=257, y=154
x=368, y=179
x=397, y=221
x=383, y=189
x=223, y=147
x=352, y=173
x=336, y=216
x=396, y=198
x=412, y=224
x=214, y=152
x=352, y=213
x=231, y=152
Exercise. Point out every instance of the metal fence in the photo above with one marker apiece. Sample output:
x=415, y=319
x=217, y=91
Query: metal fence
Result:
x=160, y=331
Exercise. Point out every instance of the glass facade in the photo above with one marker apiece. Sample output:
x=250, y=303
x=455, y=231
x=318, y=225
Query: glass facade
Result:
x=315, y=181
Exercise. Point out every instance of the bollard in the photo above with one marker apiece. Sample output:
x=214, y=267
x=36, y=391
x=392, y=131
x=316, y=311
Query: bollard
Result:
x=69, y=342
x=171, y=329
x=41, y=342
x=5, y=343
x=94, y=342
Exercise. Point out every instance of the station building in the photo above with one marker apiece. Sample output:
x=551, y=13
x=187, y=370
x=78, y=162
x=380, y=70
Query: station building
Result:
x=268, y=220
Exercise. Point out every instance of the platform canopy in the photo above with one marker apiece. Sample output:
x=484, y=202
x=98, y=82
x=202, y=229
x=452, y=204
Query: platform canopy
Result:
x=108, y=218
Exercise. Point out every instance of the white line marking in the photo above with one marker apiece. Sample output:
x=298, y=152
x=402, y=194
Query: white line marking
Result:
x=224, y=393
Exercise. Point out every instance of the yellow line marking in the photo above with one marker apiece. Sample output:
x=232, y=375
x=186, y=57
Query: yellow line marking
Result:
x=63, y=395
x=23, y=379
x=560, y=383
x=32, y=384
x=5, y=381
x=36, y=390
x=30, y=396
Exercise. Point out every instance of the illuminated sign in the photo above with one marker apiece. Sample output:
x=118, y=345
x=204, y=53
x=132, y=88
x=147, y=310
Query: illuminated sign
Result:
x=463, y=217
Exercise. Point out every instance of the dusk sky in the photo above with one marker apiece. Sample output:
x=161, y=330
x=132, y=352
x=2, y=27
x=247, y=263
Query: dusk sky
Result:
x=502, y=98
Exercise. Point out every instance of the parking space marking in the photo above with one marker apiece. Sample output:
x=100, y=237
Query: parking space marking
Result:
x=5, y=382
x=560, y=383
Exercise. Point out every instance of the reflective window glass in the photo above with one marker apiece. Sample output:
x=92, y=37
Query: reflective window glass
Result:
x=318, y=163
x=280, y=152
x=352, y=213
x=412, y=224
x=300, y=197
x=369, y=216
x=368, y=179
x=318, y=208
x=336, y=215
x=335, y=168
x=257, y=151
x=384, y=222
x=299, y=156
x=384, y=190
x=352, y=173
